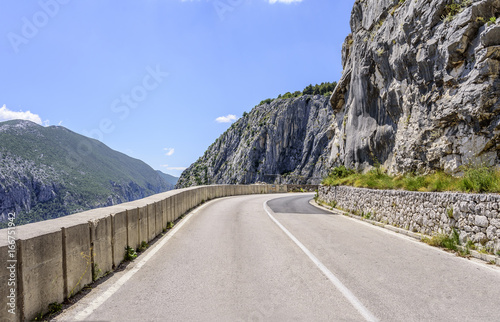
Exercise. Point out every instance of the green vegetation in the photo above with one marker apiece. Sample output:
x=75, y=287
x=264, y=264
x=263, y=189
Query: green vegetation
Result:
x=450, y=242
x=96, y=272
x=480, y=179
x=454, y=8
x=449, y=211
x=475, y=179
x=492, y=20
x=321, y=89
x=130, y=254
x=170, y=225
x=143, y=246
x=54, y=308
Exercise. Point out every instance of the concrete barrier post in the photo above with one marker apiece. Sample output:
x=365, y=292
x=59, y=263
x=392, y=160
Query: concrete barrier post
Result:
x=175, y=206
x=164, y=213
x=133, y=228
x=184, y=202
x=189, y=200
x=151, y=222
x=143, y=224
x=78, y=258
x=159, y=217
x=41, y=271
x=205, y=193
x=120, y=242
x=197, y=198
x=100, y=237
x=170, y=210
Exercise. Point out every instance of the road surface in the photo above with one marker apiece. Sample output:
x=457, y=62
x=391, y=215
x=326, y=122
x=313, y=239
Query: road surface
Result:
x=277, y=258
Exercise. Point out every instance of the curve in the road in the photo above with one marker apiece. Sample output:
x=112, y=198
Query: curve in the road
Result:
x=297, y=204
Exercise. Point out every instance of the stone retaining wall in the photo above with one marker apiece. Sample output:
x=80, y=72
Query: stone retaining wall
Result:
x=476, y=217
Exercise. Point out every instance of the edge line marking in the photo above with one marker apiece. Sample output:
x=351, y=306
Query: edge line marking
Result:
x=335, y=281
x=96, y=303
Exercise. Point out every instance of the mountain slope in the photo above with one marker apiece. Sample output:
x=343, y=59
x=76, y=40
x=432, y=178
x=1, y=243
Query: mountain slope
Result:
x=282, y=140
x=420, y=89
x=48, y=172
x=170, y=180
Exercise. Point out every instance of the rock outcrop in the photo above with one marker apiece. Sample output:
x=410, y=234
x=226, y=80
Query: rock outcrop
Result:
x=420, y=89
x=285, y=141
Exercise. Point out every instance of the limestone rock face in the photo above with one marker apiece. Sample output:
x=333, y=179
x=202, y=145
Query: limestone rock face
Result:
x=285, y=141
x=420, y=88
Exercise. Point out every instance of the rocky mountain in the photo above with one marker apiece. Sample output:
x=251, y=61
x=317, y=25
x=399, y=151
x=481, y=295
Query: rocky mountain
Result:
x=420, y=91
x=420, y=88
x=48, y=172
x=281, y=140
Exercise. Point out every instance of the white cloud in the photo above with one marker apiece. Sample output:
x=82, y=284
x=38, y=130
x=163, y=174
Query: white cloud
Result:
x=226, y=119
x=6, y=115
x=169, y=152
x=173, y=168
x=284, y=1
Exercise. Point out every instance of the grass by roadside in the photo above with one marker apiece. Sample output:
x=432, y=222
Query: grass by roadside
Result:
x=479, y=179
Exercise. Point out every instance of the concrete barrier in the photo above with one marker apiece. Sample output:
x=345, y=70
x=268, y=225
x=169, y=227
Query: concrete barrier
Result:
x=133, y=231
x=57, y=258
x=143, y=223
x=170, y=210
x=77, y=257
x=151, y=211
x=119, y=236
x=100, y=234
x=41, y=275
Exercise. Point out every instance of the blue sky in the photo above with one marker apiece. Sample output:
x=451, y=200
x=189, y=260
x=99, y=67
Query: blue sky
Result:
x=160, y=80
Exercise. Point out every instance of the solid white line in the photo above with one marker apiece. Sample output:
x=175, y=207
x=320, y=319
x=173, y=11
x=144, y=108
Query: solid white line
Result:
x=82, y=315
x=335, y=281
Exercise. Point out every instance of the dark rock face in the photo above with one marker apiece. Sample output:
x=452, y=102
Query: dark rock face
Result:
x=420, y=89
x=285, y=141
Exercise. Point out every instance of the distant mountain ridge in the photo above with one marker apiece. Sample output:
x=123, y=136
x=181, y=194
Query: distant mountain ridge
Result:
x=49, y=172
x=171, y=180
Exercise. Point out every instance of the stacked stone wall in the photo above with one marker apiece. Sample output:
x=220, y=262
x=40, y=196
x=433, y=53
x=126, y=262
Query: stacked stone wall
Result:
x=475, y=216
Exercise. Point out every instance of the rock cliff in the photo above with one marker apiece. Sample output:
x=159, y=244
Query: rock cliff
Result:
x=420, y=88
x=284, y=141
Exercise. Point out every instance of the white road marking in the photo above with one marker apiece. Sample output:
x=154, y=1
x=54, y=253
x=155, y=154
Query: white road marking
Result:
x=416, y=241
x=82, y=315
x=335, y=281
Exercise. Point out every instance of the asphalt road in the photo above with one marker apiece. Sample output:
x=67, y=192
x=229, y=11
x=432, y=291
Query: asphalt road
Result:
x=277, y=258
